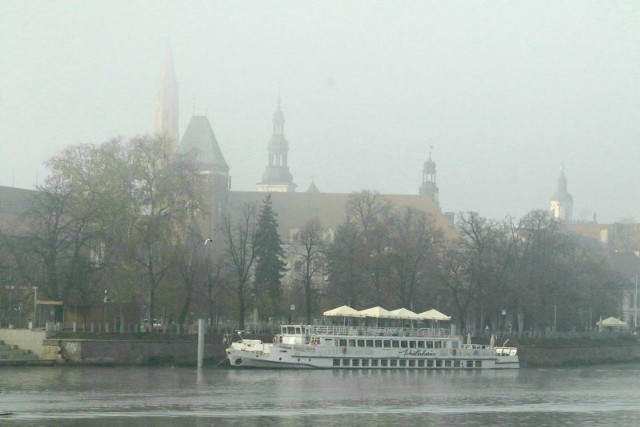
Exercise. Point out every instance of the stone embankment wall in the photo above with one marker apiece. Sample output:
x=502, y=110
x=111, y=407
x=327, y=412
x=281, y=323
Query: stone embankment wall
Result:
x=25, y=339
x=176, y=350
x=580, y=355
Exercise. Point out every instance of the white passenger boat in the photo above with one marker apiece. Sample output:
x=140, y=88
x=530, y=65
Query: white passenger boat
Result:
x=368, y=347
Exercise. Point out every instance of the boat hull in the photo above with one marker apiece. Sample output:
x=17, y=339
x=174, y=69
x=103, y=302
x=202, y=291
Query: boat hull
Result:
x=277, y=356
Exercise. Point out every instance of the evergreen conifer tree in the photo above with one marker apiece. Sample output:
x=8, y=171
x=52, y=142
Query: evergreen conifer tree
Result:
x=270, y=265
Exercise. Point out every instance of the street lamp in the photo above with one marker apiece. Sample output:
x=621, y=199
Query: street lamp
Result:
x=106, y=297
x=35, y=306
x=635, y=308
x=504, y=320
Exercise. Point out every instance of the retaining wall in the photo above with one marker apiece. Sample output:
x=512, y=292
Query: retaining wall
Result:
x=26, y=339
x=585, y=355
x=133, y=352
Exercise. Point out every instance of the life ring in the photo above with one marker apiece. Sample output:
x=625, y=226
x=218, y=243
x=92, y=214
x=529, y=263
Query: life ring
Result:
x=344, y=350
x=453, y=351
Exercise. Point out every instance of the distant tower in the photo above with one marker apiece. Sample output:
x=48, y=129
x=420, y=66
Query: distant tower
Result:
x=167, y=105
x=213, y=171
x=277, y=177
x=562, y=201
x=429, y=187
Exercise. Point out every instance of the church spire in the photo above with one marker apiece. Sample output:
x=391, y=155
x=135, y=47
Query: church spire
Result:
x=167, y=105
x=278, y=121
x=277, y=176
x=429, y=187
x=562, y=201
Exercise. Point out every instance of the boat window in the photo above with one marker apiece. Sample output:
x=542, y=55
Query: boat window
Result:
x=355, y=362
x=438, y=363
x=420, y=344
x=352, y=343
x=438, y=344
x=374, y=362
x=387, y=343
x=478, y=363
x=447, y=363
x=429, y=344
x=469, y=363
x=378, y=343
x=420, y=363
x=298, y=331
x=456, y=363
x=412, y=363
x=429, y=363
x=403, y=344
x=360, y=343
x=369, y=343
x=290, y=330
x=412, y=344
x=343, y=342
x=403, y=363
x=455, y=344
x=336, y=362
x=384, y=363
x=395, y=343
x=345, y=362
x=365, y=362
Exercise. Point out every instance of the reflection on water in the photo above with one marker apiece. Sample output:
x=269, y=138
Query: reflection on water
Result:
x=69, y=396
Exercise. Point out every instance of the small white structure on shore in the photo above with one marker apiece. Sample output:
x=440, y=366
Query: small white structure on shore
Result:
x=611, y=324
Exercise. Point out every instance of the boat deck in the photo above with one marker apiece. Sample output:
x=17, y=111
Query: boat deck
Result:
x=364, y=331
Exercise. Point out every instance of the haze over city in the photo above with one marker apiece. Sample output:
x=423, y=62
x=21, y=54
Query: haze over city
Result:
x=505, y=93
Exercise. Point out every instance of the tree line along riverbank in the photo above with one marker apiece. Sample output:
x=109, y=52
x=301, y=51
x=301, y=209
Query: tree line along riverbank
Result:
x=170, y=349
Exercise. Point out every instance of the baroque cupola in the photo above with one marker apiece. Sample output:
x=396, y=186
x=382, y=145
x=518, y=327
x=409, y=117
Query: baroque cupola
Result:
x=277, y=177
x=429, y=187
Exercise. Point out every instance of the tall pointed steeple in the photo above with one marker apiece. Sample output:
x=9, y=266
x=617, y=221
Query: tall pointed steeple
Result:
x=168, y=98
x=562, y=201
x=277, y=177
x=429, y=187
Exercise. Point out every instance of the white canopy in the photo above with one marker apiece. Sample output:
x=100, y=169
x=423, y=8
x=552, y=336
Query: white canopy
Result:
x=344, y=311
x=612, y=322
x=377, y=312
x=434, y=314
x=403, y=313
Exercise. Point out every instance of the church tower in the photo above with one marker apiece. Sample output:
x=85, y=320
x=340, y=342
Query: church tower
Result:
x=167, y=104
x=429, y=187
x=213, y=174
x=277, y=177
x=562, y=201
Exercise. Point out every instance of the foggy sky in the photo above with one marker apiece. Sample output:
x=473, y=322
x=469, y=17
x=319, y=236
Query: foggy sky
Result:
x=507, y=93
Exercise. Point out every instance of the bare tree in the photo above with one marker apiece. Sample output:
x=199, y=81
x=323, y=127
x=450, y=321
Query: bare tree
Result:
x=240, y=238
x=413, y=237
x=312, y=252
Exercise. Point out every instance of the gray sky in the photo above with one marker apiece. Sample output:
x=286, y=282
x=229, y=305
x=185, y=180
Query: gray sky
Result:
x=506, y=92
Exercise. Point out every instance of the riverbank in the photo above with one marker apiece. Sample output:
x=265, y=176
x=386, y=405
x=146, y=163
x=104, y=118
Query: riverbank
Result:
x=554, y=352
x=181, y=349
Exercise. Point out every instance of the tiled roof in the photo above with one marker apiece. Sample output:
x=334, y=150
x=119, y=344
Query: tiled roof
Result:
x=295, y=209
x=199, y=137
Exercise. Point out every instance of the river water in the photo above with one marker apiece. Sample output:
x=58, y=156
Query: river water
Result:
x=165, y=396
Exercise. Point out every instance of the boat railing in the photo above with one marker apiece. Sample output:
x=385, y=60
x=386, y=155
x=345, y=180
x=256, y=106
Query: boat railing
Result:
x=370, y=331
x=506, y=351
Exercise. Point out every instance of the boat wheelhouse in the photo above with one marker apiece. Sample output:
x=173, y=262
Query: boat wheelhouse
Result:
x=369, y=347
